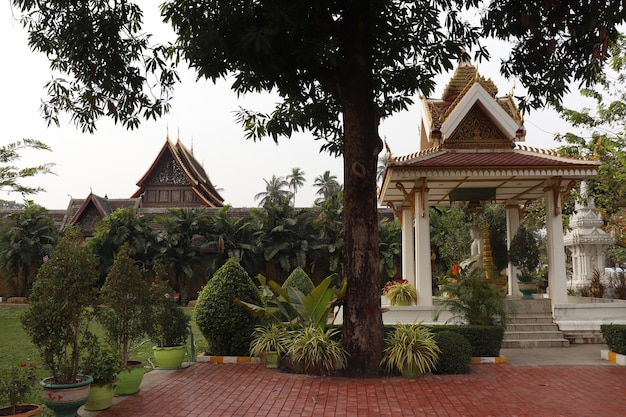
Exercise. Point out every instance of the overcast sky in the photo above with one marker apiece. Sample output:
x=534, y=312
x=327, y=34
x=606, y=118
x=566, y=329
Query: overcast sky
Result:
x=111, y=161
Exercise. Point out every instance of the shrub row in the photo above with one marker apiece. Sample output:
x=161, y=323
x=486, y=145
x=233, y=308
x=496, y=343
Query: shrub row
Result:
x=615, y=337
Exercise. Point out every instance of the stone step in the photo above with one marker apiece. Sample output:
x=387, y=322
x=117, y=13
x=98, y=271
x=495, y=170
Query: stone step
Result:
x=533, y=335
x=537, y=306
x=532, y=327
x=530, y=319
x=534, y=343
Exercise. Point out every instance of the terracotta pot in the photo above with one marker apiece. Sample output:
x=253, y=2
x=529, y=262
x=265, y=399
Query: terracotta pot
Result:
x=22, y=410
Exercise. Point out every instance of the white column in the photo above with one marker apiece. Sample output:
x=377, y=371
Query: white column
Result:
x=512, y=224
x=422, y=247
x=557, y=279
x=408, y=246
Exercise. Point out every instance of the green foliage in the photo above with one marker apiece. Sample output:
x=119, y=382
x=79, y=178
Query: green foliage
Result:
x=455, y=355
x=315, y=351
x=485, y=340
x=389, y=247
x=300, y=280
x=100, y=362
x=11, y=175
x=125, y=308
x=412, y=346
x=28, y=238
x=183, y=246
x=475, y=300
x=168, y=324
x=227, y=326
x=272, y=337
x=124, y=226
x=615, y=337
x=401, y=292
x=16, y=384
x=524, y=253
x=61, y=306
x=313, y=309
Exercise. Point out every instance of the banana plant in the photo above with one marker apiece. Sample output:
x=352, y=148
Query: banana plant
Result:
x=311, y=309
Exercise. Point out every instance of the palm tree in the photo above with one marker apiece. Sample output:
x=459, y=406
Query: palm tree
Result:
x=275, y=191
x=29, y=237
x=295, y=180
x=327, y=185
x=124, y=225
x=184, y=245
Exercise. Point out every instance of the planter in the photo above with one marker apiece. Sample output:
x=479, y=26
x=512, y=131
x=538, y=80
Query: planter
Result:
x=22, y=410
x=527, y=289
x=169, y=357
x=271, y=359
x=411, y=371
x=129, y=379
x=65, y=399
x=100, y=396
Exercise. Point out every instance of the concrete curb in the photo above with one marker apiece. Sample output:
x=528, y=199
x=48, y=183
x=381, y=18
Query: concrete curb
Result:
x=227, y=359
x=488, y=359
x=616, y=358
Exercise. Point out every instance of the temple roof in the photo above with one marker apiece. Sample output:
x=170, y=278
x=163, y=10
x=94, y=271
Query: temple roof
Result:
x=194, y=175
x=469, y=107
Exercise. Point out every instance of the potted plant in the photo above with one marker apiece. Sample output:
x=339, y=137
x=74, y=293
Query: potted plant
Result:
x=124, y=317
x=168, y=327
x=270, y=342
x=61, y=307
x=316, y=350
x=400, y=293
x=411, y=350
x=524, y=255
x=101, y=363
x=16, y=386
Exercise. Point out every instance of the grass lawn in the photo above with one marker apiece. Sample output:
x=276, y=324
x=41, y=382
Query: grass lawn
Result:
x=16, y=347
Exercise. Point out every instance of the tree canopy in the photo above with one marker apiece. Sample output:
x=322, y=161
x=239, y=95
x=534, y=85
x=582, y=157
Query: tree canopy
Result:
x=338, y=67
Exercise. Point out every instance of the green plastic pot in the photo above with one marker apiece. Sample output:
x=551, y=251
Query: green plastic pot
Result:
x=169, y=357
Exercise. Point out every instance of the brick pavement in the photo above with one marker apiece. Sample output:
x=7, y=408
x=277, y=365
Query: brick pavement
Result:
x=498, y=390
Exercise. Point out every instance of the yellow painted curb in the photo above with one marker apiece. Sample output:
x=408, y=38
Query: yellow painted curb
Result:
x=616, y=358
x=488, y=359
x=227, y=359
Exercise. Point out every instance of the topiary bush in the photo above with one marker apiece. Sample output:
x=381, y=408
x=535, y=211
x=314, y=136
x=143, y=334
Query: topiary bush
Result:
x=226, y=326
x=456, y=353
x=615, y=337
x=300, y=280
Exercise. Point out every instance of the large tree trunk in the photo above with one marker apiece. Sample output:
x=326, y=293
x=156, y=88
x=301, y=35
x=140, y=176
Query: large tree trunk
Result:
x=362, y=328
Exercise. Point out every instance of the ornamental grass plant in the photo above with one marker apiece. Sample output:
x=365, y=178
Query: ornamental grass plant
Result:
x=410, y=347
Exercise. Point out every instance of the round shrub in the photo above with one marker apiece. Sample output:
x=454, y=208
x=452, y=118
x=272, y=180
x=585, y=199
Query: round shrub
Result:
x=456, y=353
x=226, y=326
x=300, y=280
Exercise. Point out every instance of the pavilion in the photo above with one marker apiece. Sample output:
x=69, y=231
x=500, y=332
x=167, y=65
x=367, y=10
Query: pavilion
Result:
x=469, y=152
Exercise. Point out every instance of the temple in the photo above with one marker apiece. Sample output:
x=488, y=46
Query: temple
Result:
x=174, y=180
x=469, y=152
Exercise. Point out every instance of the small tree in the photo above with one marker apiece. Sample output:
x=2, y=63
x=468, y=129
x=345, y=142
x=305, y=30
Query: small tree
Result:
x=124, y=296
x=61, y=306
x=524, y=254
x=226, y=326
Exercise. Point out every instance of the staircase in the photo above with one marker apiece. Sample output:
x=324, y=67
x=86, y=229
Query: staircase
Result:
x=532, y=327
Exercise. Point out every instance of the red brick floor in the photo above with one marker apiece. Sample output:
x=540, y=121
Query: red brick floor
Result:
x=500, y=390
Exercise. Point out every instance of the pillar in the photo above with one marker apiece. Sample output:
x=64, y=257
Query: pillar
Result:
x=408, y=246
x=512, y=224
x=422, y=247
x=557, y=278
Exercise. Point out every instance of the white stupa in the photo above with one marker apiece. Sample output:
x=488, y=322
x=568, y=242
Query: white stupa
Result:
x=586, y=240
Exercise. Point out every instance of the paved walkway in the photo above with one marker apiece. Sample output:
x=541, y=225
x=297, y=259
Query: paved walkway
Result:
x=568, y=382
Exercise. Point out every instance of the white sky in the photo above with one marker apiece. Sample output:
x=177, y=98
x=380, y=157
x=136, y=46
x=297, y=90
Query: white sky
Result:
x=112, y=160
